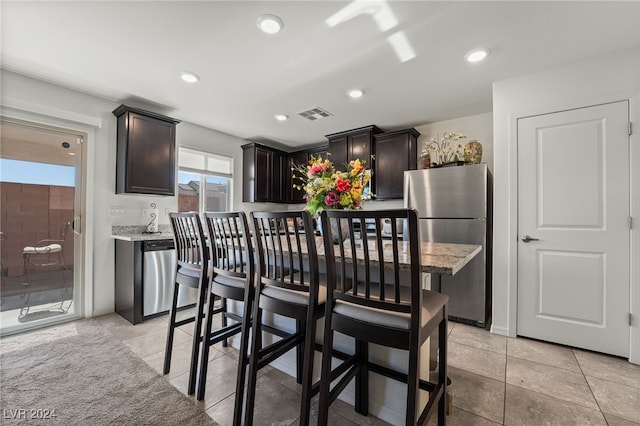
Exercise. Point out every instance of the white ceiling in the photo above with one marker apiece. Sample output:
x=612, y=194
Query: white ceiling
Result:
x=133, y=52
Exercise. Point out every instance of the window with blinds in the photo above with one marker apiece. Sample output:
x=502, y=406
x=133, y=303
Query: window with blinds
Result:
x=204, y=181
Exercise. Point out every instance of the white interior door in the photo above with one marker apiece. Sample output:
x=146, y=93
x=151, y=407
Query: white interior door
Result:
x=573, y=203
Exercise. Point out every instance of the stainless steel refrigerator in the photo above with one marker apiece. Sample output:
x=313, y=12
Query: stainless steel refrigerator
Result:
x=455, y=206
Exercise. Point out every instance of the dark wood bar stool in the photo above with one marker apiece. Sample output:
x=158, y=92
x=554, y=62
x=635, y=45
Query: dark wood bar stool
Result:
x=373, y=301
x=192, y=270
x=288, y=285
x=233, y=278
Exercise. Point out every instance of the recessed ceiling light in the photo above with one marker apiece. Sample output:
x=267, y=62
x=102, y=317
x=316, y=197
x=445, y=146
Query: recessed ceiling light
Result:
x=190, y=77
x=270, y=24
x=476, y=55
x=355, y=93
x=281, y=117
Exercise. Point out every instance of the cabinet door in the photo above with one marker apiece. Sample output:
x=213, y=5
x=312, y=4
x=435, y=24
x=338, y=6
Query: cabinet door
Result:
x=298, y=158
x=150, y=153
x=279, y=179
x=263, y=171
x=360, y=147
x=395, y=153
x=338, y=148
x=146, y=152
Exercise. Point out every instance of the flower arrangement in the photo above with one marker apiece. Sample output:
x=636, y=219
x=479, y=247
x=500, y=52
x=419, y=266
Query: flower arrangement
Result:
x=445, y=150
x=327, y=188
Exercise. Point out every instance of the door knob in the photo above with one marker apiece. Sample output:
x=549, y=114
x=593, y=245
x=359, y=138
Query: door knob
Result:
x=527, y=238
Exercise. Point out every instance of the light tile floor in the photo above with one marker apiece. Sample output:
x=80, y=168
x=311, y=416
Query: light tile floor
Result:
x=496, y=380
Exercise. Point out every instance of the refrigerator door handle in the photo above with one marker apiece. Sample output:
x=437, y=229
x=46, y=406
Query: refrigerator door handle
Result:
x=527, y=238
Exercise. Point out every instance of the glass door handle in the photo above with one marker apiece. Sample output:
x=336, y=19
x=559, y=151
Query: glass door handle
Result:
x=527, y=238
x=75, y=225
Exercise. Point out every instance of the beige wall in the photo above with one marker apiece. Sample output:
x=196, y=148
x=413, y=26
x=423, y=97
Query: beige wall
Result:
x=475, y=127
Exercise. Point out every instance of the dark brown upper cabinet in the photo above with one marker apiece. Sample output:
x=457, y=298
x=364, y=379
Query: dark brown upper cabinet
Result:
x=395, y=153
x=146, y=152
x=352, y=144
x=280, y=179
x=265, y=173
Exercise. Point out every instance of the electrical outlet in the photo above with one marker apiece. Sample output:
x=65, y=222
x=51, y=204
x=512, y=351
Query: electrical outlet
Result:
x=116, y=211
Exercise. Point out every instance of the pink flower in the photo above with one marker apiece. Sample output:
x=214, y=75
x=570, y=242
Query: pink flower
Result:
x=318, y=168
x=331, y=199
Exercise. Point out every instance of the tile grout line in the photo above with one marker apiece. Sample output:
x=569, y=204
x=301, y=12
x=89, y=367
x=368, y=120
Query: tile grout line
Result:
x=548, y=365
x=599, y=409
x=573, y=352
x=560, y=399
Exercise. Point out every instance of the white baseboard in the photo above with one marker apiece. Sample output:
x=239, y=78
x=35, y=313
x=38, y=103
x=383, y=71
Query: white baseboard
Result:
x=503, y=331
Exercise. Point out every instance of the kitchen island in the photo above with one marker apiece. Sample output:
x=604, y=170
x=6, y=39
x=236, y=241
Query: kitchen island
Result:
x=387, y=397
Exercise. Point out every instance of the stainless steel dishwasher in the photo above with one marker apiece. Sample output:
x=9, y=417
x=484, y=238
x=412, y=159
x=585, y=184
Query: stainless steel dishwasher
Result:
x=159, y=268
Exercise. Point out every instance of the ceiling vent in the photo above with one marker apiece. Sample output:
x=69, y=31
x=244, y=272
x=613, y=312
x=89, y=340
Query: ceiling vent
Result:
x=315, y=113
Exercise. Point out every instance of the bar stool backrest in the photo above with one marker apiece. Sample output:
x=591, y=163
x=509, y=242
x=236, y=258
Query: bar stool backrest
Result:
x=286, y=249
x=190, y=243
x=231, y=248
x=369, y=282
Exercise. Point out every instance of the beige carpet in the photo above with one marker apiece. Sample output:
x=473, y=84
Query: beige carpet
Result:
x=89, y=378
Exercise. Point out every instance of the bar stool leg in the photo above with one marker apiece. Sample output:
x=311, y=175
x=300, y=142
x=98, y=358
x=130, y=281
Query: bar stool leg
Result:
x=299, y=354
x=197, y=340
x=204, y=347
x=170, y=331
x=223, y=304
x=307, y=368
x=256, y=343
x=362, y=379
x=243, y=360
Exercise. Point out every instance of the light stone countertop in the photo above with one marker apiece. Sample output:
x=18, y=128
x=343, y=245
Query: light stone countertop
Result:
x=436, y=258
x=136, y=233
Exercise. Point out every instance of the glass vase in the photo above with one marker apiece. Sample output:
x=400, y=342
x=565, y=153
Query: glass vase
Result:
x=337, y=236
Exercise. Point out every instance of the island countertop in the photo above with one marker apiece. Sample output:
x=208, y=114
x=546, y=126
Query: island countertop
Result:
x=436, y=258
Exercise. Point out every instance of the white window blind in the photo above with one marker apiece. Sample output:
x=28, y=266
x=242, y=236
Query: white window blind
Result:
x=204, y=162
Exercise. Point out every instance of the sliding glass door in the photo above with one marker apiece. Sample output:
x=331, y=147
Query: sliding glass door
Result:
x=40, y=186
